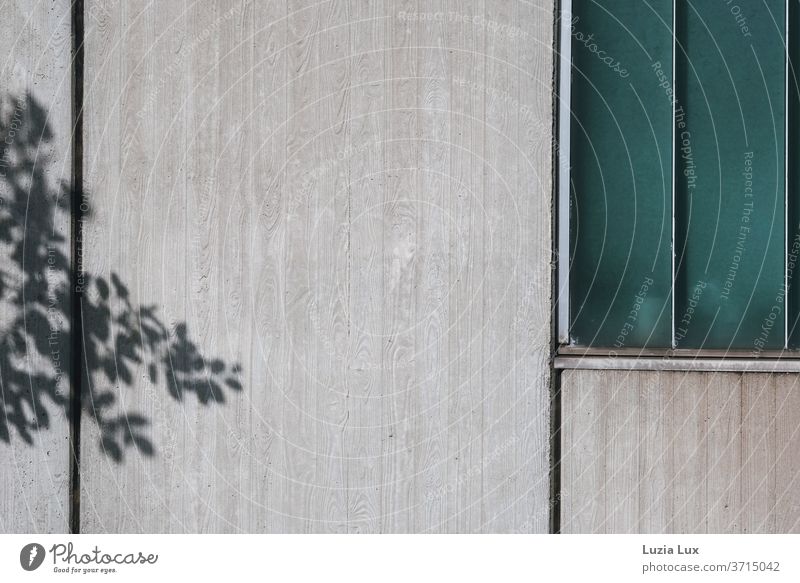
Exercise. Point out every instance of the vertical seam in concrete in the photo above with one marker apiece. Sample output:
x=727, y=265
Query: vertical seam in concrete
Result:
x=76, y=267
x=555, y=376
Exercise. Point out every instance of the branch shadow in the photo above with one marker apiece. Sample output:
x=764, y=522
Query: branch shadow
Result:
x=119, y=337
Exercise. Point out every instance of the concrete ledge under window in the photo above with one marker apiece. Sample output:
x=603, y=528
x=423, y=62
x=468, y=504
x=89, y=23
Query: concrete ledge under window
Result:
x=729, y=363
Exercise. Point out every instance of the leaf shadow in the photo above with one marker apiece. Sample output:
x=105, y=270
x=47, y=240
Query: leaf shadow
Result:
x=119, y=338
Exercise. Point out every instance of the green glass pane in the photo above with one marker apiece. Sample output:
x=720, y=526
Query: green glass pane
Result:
x=730, y=205
x=621, y=157
x=793, y=176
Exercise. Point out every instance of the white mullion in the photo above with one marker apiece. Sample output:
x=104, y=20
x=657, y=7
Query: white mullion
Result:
x=673, y=340
x=564, y=122
x=786, y=240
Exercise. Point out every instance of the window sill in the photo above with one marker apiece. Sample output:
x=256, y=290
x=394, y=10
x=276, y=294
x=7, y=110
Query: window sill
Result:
x=775, y=361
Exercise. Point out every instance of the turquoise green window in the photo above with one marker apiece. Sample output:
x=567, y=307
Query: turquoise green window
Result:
x=621, y=145
x=679, y=200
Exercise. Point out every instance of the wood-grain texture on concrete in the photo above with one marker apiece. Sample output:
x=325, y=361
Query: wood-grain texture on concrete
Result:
x=346, y=205
x=35, y=167
x=674, y=452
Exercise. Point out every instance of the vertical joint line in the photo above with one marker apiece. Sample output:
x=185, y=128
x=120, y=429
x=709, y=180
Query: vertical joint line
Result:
x=562, y=70
x=76, y=267
x=555, y=453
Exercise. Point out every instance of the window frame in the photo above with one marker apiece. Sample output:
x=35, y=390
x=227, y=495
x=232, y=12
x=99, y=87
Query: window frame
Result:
x=573, y=356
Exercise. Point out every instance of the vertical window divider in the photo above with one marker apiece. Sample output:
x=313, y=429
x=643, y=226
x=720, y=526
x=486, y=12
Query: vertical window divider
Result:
x=786, y=161
x=564, y=123
x=674, y=168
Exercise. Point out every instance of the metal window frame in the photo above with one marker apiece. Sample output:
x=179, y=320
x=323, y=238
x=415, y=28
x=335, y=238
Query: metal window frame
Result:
x=564, y=170
x=570, y=356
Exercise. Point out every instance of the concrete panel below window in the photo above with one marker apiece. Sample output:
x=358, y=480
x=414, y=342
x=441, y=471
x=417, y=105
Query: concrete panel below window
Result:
x=679, y=452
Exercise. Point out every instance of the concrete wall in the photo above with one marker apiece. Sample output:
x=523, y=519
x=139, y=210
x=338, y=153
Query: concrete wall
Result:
x=318, y=266
x=316, y=288
x=680, y=452
x=35, y=169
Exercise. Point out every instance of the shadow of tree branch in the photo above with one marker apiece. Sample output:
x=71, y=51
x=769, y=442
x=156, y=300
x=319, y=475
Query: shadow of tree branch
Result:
x=119, y=337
